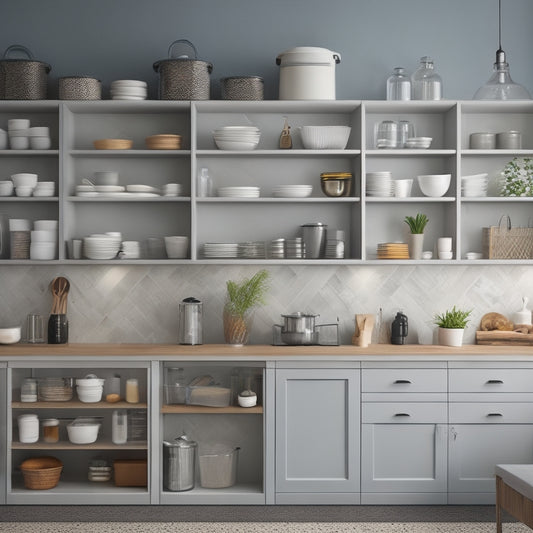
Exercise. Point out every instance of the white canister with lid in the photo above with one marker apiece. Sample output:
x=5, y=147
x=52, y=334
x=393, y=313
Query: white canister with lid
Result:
x=524, y=315
x=28, y=428
x=307, y=73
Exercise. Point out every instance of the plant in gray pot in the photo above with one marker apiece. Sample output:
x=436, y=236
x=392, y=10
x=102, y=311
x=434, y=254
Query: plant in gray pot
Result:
x=452, y=324
x=416, y=225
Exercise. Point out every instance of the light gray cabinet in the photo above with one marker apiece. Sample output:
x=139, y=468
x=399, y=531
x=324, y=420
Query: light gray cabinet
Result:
x=491, y=422
x=403, y=441
x=317, y=435
x=3, y=431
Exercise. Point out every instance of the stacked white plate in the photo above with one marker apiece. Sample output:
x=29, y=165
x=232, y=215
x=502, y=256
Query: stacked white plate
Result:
x=130, y=250
x=379, y=183
x=172, y=189
x=220, y=250
x=251, y=250
x=143, y=189
x=129, y=90
x=237, y=137
x=418, y=142
x=102, y=246
x=292, y=191
x=475, y=185
x=238, y=192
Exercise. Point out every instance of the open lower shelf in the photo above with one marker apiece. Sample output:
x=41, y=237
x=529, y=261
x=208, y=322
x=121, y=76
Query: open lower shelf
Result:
x=76, y=404
x=200, y=409
x=241, y=493
x=66, y=445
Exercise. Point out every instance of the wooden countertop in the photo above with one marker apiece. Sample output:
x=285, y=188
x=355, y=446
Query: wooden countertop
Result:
x=222, y=351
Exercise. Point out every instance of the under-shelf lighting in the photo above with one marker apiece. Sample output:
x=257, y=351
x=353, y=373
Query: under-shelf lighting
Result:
x=500, y=85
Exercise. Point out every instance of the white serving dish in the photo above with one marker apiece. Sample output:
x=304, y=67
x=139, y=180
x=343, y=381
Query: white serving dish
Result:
x=83, y=431
x=10, y=335
x=19, y=142
x=24, y=191
x=24, y=179
x=40, y=143
x=236, y=145
x=43, y=251
x=434, y=185
x=325, y=137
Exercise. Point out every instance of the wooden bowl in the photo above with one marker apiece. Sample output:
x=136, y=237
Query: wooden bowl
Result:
x=113, y=144
x=163, y=141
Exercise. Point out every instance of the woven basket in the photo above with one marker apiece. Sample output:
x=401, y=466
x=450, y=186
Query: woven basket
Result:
x=113, y=144
x=41, y=473
x=505, y=242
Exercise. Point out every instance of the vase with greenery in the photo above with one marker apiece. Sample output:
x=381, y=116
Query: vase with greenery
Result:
x=242, y=298
x=452, y=324
x=416, y=225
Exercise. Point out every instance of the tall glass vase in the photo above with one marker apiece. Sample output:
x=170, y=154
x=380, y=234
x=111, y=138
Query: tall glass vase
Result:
x=237, y=327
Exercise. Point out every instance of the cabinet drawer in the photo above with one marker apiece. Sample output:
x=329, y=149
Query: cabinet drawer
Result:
x=491, y=413
x=404, y=413
x=404, y=380
x=491, y=380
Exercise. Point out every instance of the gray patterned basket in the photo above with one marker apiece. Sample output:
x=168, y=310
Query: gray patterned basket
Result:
x=23, y=79
x=79, y=88
x=242, y=88
x=183, y=78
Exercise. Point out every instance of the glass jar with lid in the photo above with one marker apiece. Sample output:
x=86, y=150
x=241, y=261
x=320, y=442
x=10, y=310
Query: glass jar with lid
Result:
x=399, y=85
x=28, y=390
x=426, y=83
x=50, y=429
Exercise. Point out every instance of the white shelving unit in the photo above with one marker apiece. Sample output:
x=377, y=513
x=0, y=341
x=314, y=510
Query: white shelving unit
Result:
x=366, y=221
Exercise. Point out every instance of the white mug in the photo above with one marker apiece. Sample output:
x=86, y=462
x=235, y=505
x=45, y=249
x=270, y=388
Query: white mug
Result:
x=444, y=244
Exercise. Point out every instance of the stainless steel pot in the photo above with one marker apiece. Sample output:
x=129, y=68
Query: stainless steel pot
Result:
x=179, y=471
x=299, y=328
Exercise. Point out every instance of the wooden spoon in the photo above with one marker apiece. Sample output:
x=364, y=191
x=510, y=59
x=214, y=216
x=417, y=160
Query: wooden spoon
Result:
x=60, y=287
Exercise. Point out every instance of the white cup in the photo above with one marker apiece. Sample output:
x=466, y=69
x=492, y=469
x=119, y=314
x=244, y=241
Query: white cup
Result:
x=176, y=246
x=75, y=249
x=445, y=255
x=106, y=177
x=444, y=244
x=402, y=188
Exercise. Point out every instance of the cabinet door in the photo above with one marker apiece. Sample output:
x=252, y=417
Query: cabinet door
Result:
x=403, y=458
x=475, y=449
x=317, y=435
x=3, y=432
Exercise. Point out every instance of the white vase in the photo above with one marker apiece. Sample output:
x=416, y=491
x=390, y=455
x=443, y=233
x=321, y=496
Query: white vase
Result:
x=450, y=337
x=416, y=244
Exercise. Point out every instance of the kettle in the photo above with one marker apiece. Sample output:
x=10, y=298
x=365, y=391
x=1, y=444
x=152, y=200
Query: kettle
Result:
x=190, y=321
x=399, y=329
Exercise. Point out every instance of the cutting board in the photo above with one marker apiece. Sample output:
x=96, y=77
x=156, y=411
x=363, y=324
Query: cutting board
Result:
x=500, y=338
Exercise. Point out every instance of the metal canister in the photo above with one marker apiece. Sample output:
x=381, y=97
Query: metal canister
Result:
x=179, y=468
x=190, y=321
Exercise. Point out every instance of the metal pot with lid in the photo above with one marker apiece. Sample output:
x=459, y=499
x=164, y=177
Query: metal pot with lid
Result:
x=180, y=457
x=182, y=77
x=299, y=328
x=307, y=73
x=190, y=321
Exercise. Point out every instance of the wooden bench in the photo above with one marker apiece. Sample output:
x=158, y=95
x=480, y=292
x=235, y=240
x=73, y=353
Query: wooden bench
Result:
x=514, y=493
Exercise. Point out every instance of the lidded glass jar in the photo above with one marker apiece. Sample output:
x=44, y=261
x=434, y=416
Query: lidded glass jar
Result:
x=28, y=390
x=50, y=429
x=399, y=85
x=426, y=83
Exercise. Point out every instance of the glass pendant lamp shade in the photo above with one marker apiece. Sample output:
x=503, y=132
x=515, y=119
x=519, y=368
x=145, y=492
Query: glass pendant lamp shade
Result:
x=500, y=85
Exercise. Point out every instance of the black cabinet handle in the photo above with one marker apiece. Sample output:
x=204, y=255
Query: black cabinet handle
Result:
x=494, y=382
x=494, y=414
x=402, y=381
x=402, y=414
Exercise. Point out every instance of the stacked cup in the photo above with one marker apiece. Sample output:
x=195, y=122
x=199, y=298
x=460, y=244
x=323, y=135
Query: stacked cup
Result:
x=43, y=245
x=444, y=248
x=18, y=132
x=40, y=138
x=24, y=183
x=19, y=238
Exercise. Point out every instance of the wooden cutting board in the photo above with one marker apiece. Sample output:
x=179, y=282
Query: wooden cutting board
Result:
x=501, y=338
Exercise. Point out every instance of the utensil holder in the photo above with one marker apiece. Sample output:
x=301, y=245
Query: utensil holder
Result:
x=58, y=329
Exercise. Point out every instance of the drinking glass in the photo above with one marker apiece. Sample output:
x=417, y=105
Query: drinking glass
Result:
x=34, y=328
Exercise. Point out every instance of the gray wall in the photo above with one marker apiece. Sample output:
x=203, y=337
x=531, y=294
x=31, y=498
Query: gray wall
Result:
x=116, y=39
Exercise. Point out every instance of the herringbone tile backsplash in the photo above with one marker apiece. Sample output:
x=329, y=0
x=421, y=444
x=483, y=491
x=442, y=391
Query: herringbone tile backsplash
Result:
x=140, y=303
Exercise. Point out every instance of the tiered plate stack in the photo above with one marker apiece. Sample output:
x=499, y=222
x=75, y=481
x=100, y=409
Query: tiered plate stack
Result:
x=277, y=249
x=164, y=141
x=102, y=246
x=393, y=250
x=335, y=244
x=295, y=248
x=251, y=250
x=129, y=90
x=379, y=183
x=238, y=192
x=237, y=137
x=221, y=250
x=292, y=191
x=130, y=250
x=475, y=185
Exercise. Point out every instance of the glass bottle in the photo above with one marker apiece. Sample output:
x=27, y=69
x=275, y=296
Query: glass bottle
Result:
x=119, y=433
x=399, y=85
x=132, y=390
x=205, y=184
x=426, y=83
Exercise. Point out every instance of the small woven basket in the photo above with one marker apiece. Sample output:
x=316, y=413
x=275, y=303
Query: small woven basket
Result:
x=41, y=473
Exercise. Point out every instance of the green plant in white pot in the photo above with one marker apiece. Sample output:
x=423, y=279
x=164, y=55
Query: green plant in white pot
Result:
x=452, y=324
x=416, y=225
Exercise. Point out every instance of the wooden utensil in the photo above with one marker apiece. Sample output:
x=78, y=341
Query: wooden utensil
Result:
x=60, y=287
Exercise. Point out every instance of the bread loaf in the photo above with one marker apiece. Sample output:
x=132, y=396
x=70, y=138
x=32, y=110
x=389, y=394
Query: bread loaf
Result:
x=495, y=321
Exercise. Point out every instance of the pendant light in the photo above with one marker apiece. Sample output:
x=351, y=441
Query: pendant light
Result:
x=500, y=85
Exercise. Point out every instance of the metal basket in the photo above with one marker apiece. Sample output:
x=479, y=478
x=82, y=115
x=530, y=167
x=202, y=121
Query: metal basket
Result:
x=242, y=88
x=80, y=88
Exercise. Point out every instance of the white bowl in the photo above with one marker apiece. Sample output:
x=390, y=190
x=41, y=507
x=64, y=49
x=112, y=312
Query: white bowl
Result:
x=325, y=137
x=18, y=124
x=19, y=143
x=24, y=179
x=434, y=185
x=19, y=224
x=39, y=131
x=6, y=188
x=236, y=145
x=40, y=143
x=445, y=255
x=89, y=395
x=44, y=235
x=3, y=139
x=46, y=225
x=176, y=246
x=24, y=191
x=90, y=382
x=80, y=432
x=106, y=177
x=10, y=335
x=42, y=251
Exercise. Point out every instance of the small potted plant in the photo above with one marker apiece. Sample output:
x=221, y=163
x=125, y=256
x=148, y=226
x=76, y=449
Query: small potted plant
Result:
x=451, y=325
x=242, y=298
x=416, y=225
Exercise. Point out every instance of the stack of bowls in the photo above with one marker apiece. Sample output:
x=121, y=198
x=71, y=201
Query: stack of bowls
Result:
x=24, y=183
x=43, y=245
x=434, y=185
x=6, y=188
x=163, y=141
x=90, y=388
x=3, y=139
x=40, y=138
x=130, y=250
x=475, y=185
x=18, y=132
x=129, y=90
x=237, y=137
x=44, y=188
x=102, y=246
x=171, y=189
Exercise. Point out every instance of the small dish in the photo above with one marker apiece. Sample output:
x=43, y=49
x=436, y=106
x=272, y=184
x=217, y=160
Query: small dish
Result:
x=428, y=254
x=471, y=256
